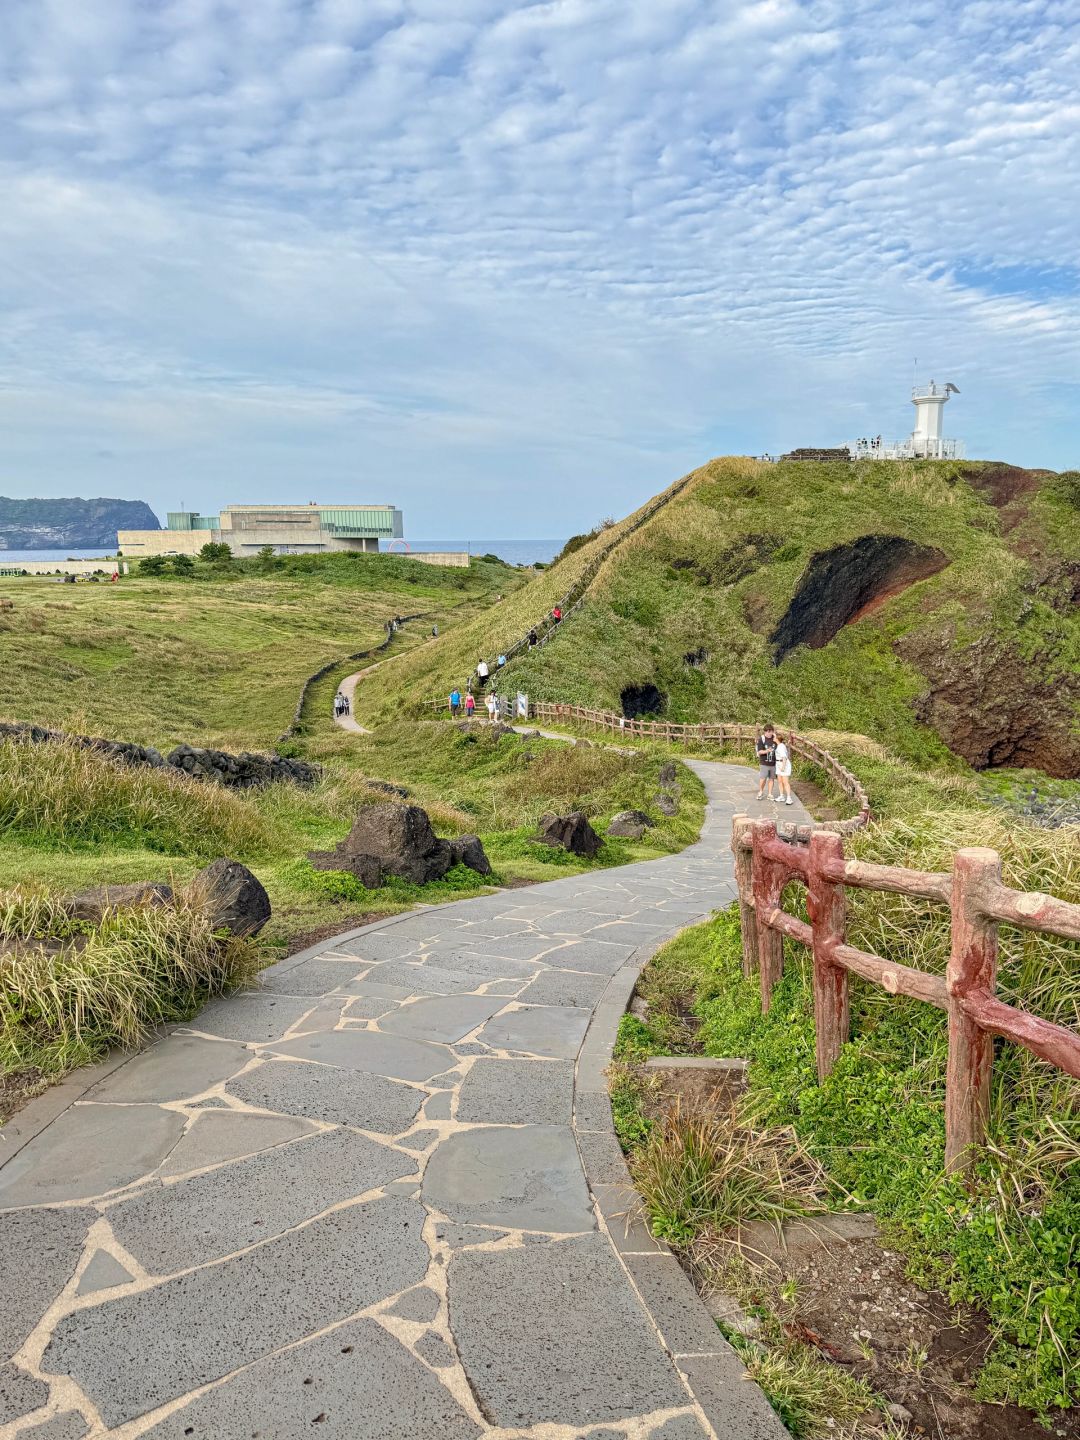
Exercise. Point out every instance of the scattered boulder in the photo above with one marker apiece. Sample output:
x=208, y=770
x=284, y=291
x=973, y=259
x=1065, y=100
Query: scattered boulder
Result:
x=570, y=832
x=246, y=770
x=629, y=824
x=386, y=788
x=238, y=899
x=91, y=905
x=668, y=773
x=398, y=840
x=666, y=804
x=495, y=729
x=467, y=850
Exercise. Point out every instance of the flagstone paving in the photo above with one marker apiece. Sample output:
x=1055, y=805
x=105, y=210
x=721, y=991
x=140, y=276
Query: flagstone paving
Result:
x=380, y=1196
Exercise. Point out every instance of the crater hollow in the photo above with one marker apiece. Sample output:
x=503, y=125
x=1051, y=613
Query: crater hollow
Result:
x=642, y=700
x=845, y=583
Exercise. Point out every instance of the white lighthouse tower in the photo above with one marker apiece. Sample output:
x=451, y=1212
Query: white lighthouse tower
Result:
x=926, y=441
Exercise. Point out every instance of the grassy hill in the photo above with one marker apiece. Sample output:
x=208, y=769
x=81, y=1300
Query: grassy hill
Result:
x=218, y=658
x=930, y=605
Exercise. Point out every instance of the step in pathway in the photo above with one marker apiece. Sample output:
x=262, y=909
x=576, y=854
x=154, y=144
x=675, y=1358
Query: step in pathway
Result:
x=378, y=1197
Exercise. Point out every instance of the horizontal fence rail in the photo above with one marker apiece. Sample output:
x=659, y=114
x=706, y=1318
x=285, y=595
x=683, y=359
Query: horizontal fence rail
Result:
x=717, y=735
x=978, y=903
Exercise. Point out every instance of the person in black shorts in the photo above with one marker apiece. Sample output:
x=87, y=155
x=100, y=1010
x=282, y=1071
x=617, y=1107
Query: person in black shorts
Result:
x=765, y=745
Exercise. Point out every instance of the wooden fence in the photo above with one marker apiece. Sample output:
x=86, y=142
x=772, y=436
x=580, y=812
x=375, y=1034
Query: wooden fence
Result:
x=978, y=902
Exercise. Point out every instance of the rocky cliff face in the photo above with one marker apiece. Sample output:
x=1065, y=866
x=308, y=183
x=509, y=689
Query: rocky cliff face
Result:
x=53, y=524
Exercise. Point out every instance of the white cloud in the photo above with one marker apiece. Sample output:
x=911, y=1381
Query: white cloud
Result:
x=563, y=240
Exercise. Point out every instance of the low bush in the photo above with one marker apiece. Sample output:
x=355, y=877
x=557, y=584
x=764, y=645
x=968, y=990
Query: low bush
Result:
x=69, y=992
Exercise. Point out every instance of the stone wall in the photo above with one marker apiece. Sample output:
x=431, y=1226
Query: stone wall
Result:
x=246, y=770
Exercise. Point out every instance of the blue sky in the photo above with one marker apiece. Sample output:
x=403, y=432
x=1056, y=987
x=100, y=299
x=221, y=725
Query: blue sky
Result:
x=516, y=266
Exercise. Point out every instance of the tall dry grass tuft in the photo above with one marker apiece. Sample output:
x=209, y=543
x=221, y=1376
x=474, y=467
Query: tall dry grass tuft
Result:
x=70, y=992
x=703, y=1171
x=60, y=797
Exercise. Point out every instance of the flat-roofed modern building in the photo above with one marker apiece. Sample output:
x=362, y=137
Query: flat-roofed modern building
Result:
x=288, y=529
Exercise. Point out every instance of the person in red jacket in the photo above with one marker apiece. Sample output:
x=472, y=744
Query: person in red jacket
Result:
x=556, y=614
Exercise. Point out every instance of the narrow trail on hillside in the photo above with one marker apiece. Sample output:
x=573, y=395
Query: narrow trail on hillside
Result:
x=379, y=1193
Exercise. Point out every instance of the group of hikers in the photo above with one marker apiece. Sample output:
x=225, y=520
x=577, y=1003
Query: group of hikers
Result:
x=774, y=767
x=341, y=705
x=492, y=703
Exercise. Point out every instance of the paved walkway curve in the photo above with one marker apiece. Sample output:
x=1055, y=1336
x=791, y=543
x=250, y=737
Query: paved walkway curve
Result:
x=380, y=1196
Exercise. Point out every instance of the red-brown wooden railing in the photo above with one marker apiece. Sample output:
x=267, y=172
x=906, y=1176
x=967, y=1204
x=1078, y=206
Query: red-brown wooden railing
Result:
x=978, y=903
x=715, y=735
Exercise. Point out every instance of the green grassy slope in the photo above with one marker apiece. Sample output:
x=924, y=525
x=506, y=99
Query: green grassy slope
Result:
x=716, y=568
x=217, y=659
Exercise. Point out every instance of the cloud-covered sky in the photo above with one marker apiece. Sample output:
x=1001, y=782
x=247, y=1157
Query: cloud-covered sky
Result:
x=516, y=266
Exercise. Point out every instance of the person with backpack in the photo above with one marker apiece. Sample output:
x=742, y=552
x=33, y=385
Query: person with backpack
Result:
x=765, y=746
x=455, y=702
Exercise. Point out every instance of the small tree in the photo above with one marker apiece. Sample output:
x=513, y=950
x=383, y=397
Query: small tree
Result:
x=152, y=565
x=216, y=551
x=183, y=565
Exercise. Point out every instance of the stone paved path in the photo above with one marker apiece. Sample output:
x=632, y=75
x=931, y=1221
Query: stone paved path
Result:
x=354, y=1203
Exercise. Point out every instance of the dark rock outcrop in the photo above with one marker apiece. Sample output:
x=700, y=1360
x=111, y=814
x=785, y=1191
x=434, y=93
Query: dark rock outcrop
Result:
x=51, y=524
x=638, y=700
x=993, y=706
x=629, y=824
x=668, y=773
x=91, y=905
x=121, y=750
x=398, y=840
x=386, y=788
x=237, y=898
x=666, y=804
x=570, y=832
x=841, y=584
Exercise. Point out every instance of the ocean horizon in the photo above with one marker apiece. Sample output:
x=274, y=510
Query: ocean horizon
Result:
x=514, y=552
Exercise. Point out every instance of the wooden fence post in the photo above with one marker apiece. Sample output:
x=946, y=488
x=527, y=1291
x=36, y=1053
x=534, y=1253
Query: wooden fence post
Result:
x=744, y=880
x=825, y=903
x=972, y=966
x=769, y=879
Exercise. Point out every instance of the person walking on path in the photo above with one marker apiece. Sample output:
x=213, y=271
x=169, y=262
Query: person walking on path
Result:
x=783, y=772
x=533, y=638
x=556, y=613
x=455, y=702
x=470, y=705
x=493, y=707
x=482, y=672
x=765, y=745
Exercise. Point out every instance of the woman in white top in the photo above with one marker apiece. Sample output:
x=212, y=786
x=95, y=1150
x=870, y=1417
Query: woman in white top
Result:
x=493, y=706
x=783, y=773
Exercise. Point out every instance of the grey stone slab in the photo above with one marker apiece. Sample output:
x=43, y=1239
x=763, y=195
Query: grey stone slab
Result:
x=389, y=944
x=599, y=957
x=434, y=1349
x=550, y=1030
x=367, y=1007
x=470, y=1047
x=202, y=1325
x=454, y=958
x=732, y=1403
x=563, y=987
x=175, y=1068
x=422, y=979
x=89, y=1150
x=529, y=945
x=313, y=977
x=493, y=927
x=448, y=1080
x=624, y=1217
x=20, y=1393
x=574, y=922
x=68, y=1426
x=603, y=1157
x=632, y=932
x=517, y=1092
x=592, y=1111
x=442, y=1018
x=528, y=1179
x=39, y=1250
x=251, y=1018
x=438, y=1107
x=536, y=1327
x=419, y=1140
x=372, y=989
x=681, y=1317
x=356, y=1383
x=421, y=1305
x=460, y=1237
x=323, y=1092
x=395, y=1056
x=103, y=1273
x=220, y=1135
x=217, y=1213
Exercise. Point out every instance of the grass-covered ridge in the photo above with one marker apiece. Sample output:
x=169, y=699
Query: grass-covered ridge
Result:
x=687, y=603
x=216, y=658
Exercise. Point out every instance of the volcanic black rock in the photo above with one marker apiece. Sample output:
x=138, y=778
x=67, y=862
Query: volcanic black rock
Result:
x=239, y=902
x=570, y=832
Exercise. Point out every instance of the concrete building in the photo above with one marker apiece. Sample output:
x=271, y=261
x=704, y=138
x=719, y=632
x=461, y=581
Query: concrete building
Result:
x=926, y=441
x=288, y=530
